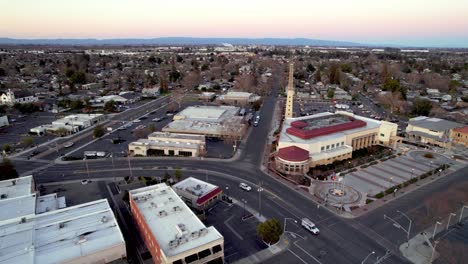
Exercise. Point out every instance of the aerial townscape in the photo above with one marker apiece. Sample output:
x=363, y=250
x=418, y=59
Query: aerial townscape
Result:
x=238, y=143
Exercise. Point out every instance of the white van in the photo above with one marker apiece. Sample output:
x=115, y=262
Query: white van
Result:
x=309, y=225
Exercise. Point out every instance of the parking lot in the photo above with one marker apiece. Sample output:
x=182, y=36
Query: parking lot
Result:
x=19, y=128
x=240, y=237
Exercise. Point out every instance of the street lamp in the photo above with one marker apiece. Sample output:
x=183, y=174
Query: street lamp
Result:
x=372, y=253
x=227, y=189
x=461, y=213
x=433, y=250
x=435, y=228
x=397, y=225
x=284, y=225
x=243, y=214
x=412, y=173
x=448, y=222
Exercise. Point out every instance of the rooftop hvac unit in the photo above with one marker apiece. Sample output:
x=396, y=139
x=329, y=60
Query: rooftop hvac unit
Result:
x=177, y=208
x=195, y=234
x=81, y=239
x=162, y=213
x=163, y=191
x=171, y=199
x=203, y=231
x=173, y=243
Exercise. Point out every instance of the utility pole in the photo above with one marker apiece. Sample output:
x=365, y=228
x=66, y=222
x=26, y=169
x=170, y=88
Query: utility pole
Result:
x=398, y=225
x=260, y=190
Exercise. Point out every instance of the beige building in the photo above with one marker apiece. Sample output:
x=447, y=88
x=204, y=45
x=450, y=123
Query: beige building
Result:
x=172, y=233
x=288, y=113
x=169, y=144
x=430, y=130
x=309, y=141
x=238, y=98
x=460, y=136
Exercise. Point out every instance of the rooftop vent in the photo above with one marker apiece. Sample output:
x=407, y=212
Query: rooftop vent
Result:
x=104, y=219
x=23, y=220
x=162, y=213
x=171, y=199
x=203, y=231
x=177, y=208
x=61, y=225
x=3, y=196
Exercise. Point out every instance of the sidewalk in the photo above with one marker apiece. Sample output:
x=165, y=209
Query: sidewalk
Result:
x=267, y=253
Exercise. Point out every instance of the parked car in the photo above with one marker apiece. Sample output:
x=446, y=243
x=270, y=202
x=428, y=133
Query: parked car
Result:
x=136, y=121
x=310, y=226
x=159, y=119
x=84, y=182
x=245, y=187
x=68, y=144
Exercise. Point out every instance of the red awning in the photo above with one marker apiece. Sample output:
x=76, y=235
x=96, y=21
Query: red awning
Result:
x=208, y=196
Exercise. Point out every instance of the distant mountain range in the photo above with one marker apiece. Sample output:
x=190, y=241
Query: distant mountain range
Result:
x=183, y=41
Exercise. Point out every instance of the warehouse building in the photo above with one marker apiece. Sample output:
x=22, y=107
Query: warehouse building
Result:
x=169, y=144
x=211, y=121
x=41, y=229
x=198, y=194
x=309, y=141
x=171, y=231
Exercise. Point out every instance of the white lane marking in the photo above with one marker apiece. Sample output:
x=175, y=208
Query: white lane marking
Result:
x=296, y=256
x=295, y=243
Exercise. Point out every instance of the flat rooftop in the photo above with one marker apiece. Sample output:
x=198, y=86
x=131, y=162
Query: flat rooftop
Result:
x=202, y=112
x=195, y=186
x=61, y=235
x=166, y=135
x=176, y=228
x=16, y=187
x=320, y=121
x=432, y=123
x=162, y=143
x=206, y=120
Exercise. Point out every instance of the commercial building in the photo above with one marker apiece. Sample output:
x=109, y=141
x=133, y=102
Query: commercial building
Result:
x=198, y=194
x=169, y=144
x=459, y=135
x=212, y=121
x=41, y=229
x=171, y=231
x=309, y=141
x=70, y=124
x=429, y=130
x=238, y=98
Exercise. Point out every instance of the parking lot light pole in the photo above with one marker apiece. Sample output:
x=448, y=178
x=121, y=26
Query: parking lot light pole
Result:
x=372, y=253
x=435, y=228
x=284, y=225
x=433, y=250
x=448, y=222
x=461, y=213
x=397, y=225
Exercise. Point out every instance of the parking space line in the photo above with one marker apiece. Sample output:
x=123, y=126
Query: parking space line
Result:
x=232, y=229
x=295, y=243
x=296, y=255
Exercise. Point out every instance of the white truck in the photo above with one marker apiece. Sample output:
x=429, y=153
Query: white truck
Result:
x=309, y=225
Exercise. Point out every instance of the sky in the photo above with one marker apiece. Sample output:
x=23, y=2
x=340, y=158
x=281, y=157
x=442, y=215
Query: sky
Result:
x=431, y=23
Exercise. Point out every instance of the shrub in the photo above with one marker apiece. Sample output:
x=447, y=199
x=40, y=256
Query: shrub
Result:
x=429, y=156
x=379, y=195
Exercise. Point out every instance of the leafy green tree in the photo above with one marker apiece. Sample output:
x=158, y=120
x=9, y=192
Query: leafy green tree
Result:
x=26, y=108
x=330, y=93
x=7, y=148
x=99, y=131
x=76, y=105
x=421, y=107
x=205, y=67
x=334, y=74
x=152, y=127
x=8, y=170
x=346, y=68
x=62, y=131
x=178, y=174
x=310, y=67
x=270, y=231
x=109, y=106
x=27, y=141
x=78, y=77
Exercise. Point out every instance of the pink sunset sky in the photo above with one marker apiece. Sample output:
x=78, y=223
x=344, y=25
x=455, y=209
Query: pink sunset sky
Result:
x=405, y=22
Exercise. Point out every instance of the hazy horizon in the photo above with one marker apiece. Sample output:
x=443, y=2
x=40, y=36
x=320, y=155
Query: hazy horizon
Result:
x=405, y=23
